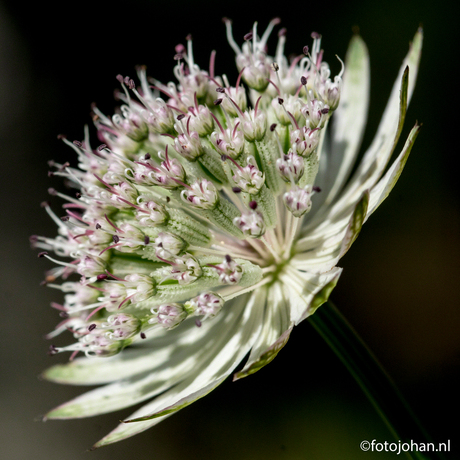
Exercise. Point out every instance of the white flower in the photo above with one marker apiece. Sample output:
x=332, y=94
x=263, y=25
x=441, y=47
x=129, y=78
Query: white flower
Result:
x=261, y=200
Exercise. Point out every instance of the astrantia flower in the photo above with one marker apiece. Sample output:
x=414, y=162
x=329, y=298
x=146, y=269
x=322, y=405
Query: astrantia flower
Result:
x=211, y=221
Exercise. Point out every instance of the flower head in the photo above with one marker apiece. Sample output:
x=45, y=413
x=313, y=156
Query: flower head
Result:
x=204, y=214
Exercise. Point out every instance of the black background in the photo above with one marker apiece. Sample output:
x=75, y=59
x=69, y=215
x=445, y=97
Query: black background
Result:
x=400, y=284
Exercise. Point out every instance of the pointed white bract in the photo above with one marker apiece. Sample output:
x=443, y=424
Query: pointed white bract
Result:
x=205, y=228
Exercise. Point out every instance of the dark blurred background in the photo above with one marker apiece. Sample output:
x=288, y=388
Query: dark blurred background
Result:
x=400, y=284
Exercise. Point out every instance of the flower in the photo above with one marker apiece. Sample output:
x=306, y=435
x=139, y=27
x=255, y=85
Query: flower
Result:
x=211, y=221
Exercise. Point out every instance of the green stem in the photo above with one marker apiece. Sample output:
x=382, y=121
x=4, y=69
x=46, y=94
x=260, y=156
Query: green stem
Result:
x=371, y=377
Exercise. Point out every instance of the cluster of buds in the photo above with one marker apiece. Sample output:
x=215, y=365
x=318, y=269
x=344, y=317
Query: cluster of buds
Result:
x=186, y=187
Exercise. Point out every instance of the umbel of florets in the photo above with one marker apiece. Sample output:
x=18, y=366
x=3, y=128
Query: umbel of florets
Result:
x=211, y=220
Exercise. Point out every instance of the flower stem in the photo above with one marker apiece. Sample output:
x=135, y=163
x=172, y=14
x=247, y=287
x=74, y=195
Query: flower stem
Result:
x=372, y=378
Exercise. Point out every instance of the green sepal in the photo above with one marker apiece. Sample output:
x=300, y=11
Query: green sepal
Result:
x=188, y=228
x=265, y=204
x=212, y=163
x=311, y=169
x=172, y=291
x=268, y=153
x=222, y=216
x=122, y=264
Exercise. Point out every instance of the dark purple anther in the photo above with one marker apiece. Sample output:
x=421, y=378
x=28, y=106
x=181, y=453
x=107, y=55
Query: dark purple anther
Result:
x=303, y=80
x=218, y=101
x=102, y=276
x=272, y=127
x=248, y=36
x=198, y=323
x=91, y=327
x=181, y=116
x=42, y=254
x=143, y=336
x=147, y=156
x=52, y=350
x=65, y=218
x=305, y=50
x=236, y=190
x=146, y=240
x=315, y=188
x=220, y=89
x=280, y=101
x=253, y=205
x=116, y=239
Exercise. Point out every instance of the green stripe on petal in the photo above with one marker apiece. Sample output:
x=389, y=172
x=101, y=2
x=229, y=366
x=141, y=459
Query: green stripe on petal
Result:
x=184, y=402
x=378, y=154
x=385, y=185
x=301, y=289
x=356, y=223
x=322, y=296
x=267, y=357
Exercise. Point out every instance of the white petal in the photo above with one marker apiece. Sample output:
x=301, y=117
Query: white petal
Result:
x=274, y=333
x=379, y=153
x=349, y=119
x=147, y=354
x=377, y=156
x=230, y=343
x=307, y=291
x=321, y=252
x=388, y=181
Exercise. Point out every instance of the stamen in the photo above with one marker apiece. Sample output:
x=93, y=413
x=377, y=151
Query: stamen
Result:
x=212, y=61
x=231, y=41
x=238, y=80
x=112, y=224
